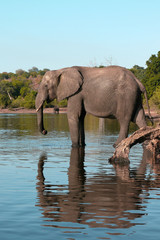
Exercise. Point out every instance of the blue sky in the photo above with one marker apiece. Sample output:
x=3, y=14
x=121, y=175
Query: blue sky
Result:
x=61, y=33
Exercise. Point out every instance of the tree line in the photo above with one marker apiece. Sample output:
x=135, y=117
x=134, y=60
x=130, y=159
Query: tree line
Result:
x=150, y=77
x=19, y=89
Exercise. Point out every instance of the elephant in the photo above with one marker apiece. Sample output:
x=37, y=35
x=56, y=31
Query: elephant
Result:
x=109, y=92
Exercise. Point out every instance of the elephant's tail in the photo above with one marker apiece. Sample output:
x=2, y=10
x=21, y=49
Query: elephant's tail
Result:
x=149, y=113
x=143, y=90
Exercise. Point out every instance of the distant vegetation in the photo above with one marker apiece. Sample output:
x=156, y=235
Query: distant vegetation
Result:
x=150, y=77
x=19, y=89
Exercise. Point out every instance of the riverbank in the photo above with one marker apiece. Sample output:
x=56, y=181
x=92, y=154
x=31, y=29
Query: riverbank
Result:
x=30, y=111
x=154, y=113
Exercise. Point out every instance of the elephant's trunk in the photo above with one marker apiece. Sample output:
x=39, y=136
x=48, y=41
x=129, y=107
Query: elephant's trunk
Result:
x=39, y=110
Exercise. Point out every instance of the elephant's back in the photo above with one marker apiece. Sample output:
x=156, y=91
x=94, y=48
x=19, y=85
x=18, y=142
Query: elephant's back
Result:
x=114, y=74
x=107, y=78
x=104, y=88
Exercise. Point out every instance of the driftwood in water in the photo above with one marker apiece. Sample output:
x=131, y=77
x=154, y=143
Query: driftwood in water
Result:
x=149, y=135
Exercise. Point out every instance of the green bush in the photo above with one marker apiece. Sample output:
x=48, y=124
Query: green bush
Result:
x=24, y=91
x=18, y=102
x=4, y=100
x=5, y=88
x=54, y=103
x=63, y=103
x=29, y=100
x=155, y=99
x=151, y=84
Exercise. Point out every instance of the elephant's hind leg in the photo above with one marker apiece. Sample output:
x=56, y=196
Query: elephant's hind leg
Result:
x=124, y=115
x=124, y=126
x=139, y=118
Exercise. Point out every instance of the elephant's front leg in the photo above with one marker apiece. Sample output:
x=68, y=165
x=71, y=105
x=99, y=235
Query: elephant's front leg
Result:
x=81, y=129
x=74, y=131
x=76, y=115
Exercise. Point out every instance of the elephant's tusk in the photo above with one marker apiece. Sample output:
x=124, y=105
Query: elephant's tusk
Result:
x=39, y=106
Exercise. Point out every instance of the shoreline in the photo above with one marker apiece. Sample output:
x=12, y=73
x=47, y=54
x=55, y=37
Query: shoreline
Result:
x=29, y=111
x=154, y=113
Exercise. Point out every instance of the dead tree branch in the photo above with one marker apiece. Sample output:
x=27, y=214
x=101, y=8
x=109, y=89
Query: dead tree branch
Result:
x=149, y=135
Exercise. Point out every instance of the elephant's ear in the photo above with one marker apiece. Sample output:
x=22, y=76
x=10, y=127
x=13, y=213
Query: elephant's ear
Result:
x=70, y=81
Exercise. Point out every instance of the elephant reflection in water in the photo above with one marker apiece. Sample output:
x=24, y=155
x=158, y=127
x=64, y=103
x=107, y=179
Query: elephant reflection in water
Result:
x=101, y=201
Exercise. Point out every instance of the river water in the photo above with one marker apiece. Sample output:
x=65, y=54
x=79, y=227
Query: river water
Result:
x=50, y=191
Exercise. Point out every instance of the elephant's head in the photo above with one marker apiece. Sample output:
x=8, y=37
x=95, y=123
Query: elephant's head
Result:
x=58, y=84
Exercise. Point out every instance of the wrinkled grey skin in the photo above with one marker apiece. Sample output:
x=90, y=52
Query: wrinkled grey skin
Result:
x=110, y=92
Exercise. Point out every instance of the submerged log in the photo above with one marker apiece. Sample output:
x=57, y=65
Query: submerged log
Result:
x=148, y=135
